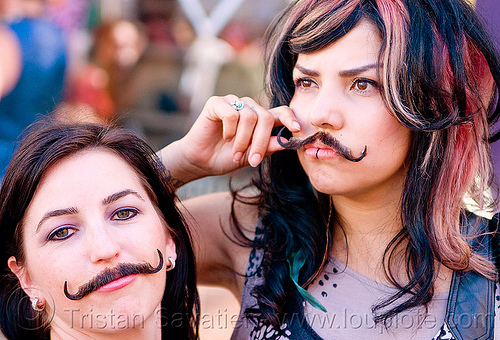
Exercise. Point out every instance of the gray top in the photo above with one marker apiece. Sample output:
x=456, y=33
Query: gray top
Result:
x=348, y=297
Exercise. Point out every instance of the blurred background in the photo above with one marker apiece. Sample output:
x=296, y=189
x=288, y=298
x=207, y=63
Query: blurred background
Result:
x=149, y=65
x=146, y=64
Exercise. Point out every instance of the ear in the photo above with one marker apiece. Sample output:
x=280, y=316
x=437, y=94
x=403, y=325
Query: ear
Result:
x=170, y=249
x=22, y=275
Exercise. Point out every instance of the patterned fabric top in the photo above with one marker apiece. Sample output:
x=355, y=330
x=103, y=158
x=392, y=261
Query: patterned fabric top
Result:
x=347, y=296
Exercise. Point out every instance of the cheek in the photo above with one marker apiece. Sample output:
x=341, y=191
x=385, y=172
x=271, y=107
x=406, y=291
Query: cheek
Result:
x=387, y=130
x=391, y=150
x=398, y=139
x=45, y=268
x=48, y=278
x=156, y=236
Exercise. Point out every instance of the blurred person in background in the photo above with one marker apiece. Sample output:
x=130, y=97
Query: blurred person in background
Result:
x=99, y=88
x=40, y=83
x=10, y=60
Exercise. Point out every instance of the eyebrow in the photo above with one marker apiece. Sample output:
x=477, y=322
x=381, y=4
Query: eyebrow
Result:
x=357, y=70
x=72, y=211
x=306, y=71
x=115, y=197
x=55, y=213
x=344, y=73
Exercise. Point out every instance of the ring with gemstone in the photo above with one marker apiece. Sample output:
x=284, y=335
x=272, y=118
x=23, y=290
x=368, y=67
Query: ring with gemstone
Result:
x=237, y=105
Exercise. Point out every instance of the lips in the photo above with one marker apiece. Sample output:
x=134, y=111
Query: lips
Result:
x=318, y=150
x=118, y=283
x=317, y=145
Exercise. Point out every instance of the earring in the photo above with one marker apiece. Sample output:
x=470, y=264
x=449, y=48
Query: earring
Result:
x=37, y=307
x=172, y=263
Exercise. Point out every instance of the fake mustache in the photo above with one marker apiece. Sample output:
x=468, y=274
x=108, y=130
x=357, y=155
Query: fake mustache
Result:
x=109, y=275
x=296, y=143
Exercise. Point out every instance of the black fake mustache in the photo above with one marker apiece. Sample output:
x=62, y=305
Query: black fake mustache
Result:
x=296, y=143
x=108, y=275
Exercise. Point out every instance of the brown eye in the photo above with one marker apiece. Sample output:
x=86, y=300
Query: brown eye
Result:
x=362, y=85
x=306, y=83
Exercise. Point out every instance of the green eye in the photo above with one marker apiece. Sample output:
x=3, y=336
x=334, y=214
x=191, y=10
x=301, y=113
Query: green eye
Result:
x=61, y=234
x=125, y=214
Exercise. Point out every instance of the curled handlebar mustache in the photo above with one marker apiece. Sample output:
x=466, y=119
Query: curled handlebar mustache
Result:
x=296, y=143
x=109, y=275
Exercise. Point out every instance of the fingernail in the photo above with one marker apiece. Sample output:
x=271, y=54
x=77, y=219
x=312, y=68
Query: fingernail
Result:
x=237, y=157
x=296, y=125
x=228, y=140
x=255, y=160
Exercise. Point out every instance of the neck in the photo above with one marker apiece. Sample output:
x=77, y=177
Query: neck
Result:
x=363, y=231
x=362, y=234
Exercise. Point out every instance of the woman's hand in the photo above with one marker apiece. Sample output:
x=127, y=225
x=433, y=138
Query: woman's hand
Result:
x=225, y=138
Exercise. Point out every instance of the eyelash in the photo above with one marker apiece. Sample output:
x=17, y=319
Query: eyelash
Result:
x=133, y=211
x=52, y=235
x=300, y=82
x=368, y=81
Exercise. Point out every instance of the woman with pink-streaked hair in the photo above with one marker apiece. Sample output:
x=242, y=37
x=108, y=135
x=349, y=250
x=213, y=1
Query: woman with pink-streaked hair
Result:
x=378, y=223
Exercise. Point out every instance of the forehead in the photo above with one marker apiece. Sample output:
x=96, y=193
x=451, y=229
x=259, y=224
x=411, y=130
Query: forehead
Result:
x=87, y=174
x=360, y=44
x=98, y=162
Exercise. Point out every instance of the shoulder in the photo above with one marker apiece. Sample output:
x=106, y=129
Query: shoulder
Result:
x=221, y=257
x=211, y=217
x=221, y=205
x=478, y=222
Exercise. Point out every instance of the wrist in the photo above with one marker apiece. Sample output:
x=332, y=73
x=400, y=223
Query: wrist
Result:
x=179, y=169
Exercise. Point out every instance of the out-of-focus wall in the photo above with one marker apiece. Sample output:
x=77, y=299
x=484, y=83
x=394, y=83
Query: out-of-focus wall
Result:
x=490, y=11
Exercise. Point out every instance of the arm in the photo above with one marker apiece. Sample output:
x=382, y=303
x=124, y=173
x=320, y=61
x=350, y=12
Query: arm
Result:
x=219, y=260
x=223, y=139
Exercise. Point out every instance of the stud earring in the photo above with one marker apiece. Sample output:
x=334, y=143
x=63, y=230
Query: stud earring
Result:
x=37, y=304
x=172, y=263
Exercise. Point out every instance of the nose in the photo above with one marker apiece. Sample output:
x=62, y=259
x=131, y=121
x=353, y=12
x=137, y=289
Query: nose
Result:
x=326, y=110
x=102, y=243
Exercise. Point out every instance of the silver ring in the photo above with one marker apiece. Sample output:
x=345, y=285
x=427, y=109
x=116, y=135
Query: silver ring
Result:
x=36, y=306
x=237, y=105
x=172, y=263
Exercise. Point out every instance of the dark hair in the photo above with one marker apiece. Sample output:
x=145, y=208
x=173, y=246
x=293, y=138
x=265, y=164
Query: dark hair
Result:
x=440, y=75
x=46, y=143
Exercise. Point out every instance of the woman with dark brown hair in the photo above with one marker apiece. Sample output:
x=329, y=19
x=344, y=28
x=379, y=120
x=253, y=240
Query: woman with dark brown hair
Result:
x=92, y=243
